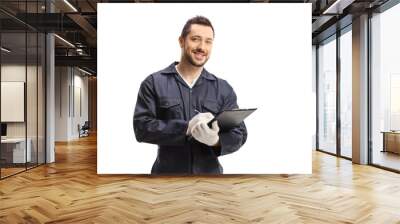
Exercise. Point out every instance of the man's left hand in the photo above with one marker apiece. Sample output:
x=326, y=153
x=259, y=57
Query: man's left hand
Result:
x=209, y=136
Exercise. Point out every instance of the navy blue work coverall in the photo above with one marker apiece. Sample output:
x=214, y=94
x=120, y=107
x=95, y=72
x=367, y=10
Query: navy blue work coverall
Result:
x=164, y=107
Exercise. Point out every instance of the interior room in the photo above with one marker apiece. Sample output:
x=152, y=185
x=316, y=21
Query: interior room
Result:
x=48, y=150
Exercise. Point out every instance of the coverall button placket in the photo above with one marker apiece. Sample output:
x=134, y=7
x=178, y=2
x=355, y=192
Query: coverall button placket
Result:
x=190, y=116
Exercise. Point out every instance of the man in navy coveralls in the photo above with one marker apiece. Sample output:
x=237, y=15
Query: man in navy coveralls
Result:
x=175, y=104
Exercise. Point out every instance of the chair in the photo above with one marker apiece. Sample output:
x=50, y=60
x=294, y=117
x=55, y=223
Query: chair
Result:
x=84, y=130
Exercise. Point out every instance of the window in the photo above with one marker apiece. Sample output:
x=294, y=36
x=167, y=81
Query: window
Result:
x=327, y=96
x=385, y=88
x=346, y=93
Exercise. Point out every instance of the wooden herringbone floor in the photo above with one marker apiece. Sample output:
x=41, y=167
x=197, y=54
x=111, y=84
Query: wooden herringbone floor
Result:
x=70, y=191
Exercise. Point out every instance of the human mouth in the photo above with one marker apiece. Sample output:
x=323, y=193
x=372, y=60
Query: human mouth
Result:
x=199, y=55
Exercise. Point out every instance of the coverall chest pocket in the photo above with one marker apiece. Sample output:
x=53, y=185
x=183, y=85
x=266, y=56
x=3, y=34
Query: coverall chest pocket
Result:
x=170, y=108
x=210, y=106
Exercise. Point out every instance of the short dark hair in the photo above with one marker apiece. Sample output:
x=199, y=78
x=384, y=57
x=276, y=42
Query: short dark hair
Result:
x=200, y=20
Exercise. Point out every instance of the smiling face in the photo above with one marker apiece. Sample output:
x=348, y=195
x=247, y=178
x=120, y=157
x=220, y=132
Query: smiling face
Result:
x=197, y=45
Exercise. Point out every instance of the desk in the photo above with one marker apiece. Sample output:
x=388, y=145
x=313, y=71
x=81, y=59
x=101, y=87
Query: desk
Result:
x=13, y=150
x=391, y=141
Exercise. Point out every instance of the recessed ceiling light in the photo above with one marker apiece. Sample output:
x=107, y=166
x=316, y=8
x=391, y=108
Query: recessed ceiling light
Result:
x=337, y=7
x=70, y=5
x=64, y=40
x=84, y=71
x=5, y=50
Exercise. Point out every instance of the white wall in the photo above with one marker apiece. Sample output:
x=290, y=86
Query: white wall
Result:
x=80, y=88
x=266, y=66
x=70, y=83
x=62, y=113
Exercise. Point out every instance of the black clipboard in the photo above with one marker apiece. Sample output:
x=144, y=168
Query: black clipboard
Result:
x=230, y=118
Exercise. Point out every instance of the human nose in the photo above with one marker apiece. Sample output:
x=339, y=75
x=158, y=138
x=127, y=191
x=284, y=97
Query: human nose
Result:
x=201, y=45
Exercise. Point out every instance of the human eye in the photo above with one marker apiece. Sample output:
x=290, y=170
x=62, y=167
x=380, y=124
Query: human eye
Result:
x=195, y=38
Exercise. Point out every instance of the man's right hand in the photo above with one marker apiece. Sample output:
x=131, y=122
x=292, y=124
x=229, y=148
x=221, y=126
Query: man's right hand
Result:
x=200, y=117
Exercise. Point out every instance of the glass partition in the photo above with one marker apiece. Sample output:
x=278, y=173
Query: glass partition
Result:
x=14, y=153
x=22, y=63
x=327, y=96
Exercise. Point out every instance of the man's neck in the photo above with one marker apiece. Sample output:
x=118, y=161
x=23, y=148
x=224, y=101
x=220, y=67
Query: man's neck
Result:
x=188, y=71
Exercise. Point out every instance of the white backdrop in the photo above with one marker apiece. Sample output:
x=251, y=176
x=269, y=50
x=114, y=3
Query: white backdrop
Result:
x=262, y=50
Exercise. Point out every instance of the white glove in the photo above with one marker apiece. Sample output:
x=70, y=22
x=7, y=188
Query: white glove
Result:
x=200, y=117
x=209, y=136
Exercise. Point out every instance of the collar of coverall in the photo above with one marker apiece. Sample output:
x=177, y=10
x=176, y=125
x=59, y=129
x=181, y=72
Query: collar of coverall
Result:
x=171, y=70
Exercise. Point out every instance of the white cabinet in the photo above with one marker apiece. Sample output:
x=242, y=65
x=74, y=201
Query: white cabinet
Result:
x=17, y=146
